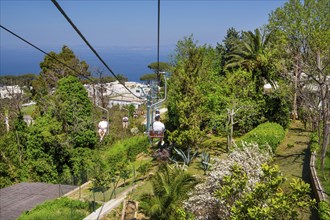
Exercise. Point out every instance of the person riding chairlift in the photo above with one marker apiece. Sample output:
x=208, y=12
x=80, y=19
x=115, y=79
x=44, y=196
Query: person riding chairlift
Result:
x=125, y=122
x=159, y=128
x=103, y=127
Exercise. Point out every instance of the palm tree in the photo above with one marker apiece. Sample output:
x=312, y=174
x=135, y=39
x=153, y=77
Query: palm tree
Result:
x=252, y=54
x=170, y=187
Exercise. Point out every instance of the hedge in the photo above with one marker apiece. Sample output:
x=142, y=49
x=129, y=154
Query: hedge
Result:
x=267, y=133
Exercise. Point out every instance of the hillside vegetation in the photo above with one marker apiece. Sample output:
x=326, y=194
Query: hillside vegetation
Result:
x=229, y=109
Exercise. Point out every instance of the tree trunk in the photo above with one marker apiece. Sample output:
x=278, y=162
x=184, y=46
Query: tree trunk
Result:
x=324, y=89
x=294, y=108
x=230, y=128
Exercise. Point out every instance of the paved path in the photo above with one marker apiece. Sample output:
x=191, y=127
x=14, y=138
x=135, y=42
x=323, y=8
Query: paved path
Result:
x=16, y=199
x=108, y=206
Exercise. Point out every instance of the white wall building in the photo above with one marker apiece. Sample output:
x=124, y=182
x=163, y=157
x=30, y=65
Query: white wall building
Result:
x=117, y=94
x=10, y=91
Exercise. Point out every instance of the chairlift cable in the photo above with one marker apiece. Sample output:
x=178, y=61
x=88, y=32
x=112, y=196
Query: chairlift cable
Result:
x=31, y=44
x=89, y=45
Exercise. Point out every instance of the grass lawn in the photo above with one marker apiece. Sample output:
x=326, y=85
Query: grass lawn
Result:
x=293, y=156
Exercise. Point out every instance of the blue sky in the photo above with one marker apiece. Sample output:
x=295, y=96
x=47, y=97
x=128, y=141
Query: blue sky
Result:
x=125, y=25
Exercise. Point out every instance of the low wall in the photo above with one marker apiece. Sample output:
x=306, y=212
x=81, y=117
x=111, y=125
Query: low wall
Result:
x=316, y=185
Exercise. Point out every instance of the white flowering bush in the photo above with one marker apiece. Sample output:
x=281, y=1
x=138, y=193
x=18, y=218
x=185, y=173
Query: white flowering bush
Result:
x=246, y=163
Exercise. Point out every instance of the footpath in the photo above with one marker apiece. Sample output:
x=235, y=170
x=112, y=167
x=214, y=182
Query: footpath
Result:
x=110, y=205
x=293, y=155
x=293, y=158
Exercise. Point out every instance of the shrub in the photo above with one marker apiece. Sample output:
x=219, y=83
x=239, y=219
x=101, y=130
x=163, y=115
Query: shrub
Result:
x=126, y=150
x=203, y=199
x=324, y=210
x=135, y=146
x=266, y=133
x=246, y=186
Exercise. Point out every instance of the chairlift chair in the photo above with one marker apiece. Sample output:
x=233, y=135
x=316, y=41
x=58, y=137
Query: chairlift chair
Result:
x=156, y=134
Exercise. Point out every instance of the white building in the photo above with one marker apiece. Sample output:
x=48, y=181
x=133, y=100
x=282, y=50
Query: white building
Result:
x=117, y=94
x=10, y=91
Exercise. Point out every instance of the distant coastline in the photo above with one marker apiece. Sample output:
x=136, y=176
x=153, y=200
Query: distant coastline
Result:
x=131, y=63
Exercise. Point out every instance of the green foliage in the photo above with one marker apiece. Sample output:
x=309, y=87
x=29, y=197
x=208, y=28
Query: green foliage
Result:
x=239, y=97
x=62, y=208
x=314, y=142
x=52, y=70
x=268, y=201
x=170, y=188
x=324, y=210
x=268, y=133
x=205, y=161
x=125, y=173
x=74, y=110
x=232, y=185
x=231, y=40
x=149, y=77
x=65, y=124
x=22, y=80
x=163, y=67
x=125, y=150
x=11, y=158
x=186, y=157
x=43, y=170
x=82, y=161
x=253, y=54
x=181, y=214
x=188, y=88
x=144, y=168
x=46, y=146
x=131, y=110
x=277, y=105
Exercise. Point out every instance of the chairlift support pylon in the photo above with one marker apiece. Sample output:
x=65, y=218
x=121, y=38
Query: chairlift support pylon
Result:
x=150, y=115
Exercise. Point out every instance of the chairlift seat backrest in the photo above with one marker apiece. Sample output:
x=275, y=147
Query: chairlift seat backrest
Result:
x=156, y=134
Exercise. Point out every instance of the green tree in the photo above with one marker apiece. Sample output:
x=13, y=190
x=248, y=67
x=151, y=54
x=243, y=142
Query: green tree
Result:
x=170, y=187
x=159, y=67
x=82, y=161
x=149, y=77
x=52, y=70
x=10, y=161
x=189, y=84
x=231, y=40
x=303, y=29
x=74, y=110
x=22, y=80
x=47, y=155
x=254, y=54
x=287, y=24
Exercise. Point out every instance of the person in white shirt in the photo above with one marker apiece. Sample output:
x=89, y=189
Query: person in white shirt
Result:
x=125, y=122
x=103, y=128
x=158, y=126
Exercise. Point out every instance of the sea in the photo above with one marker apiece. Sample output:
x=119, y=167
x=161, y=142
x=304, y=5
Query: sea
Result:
x=132, y=62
